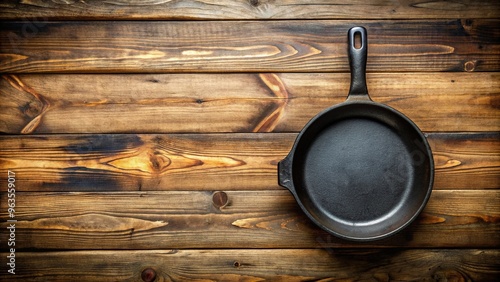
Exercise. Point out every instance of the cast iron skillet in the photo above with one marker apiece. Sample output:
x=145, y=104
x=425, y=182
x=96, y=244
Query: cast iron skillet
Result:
x=360, y=170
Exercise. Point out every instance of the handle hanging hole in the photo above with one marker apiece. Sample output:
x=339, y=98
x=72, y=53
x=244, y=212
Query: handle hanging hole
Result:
x=357, y=40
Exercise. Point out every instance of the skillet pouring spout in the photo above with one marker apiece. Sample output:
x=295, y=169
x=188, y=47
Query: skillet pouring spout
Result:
x=360, y=170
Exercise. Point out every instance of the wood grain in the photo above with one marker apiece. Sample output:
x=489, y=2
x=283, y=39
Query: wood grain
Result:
x=466, y=160
x=246, y=46
x=128, y=162
x=246, y=9
x=257, y=265
x=155, y=128
x=251, y=219
x=266, y=102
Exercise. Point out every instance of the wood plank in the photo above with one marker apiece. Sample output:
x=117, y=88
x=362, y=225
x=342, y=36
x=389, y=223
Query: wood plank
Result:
x=39, y=10
x=466, y=160
x=246, y=46
x=249, y=219
x=257, y=265
x=265, y=102
x=128, y=162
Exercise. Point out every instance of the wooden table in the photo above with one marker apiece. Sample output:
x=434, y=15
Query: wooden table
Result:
x=142, y=137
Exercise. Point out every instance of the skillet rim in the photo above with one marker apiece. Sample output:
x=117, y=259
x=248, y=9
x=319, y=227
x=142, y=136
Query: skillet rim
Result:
x=285, y=168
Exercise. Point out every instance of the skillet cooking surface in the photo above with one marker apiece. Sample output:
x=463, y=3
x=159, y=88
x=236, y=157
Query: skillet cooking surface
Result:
x=345, y=166
x=362, y=170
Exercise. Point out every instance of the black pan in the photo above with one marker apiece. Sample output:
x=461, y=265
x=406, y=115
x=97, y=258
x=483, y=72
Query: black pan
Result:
x=360, y=170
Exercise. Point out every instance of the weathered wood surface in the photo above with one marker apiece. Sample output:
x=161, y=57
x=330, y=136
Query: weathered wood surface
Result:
x=258, y=265
x=249, y=219
x=246, y=46
x=247, y=9
x=128, y=162
x=154, y=144
x=265, y=102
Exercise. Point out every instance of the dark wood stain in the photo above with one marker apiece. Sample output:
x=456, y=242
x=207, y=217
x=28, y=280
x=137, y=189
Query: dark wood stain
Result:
x=103, y=144
x=83, y=179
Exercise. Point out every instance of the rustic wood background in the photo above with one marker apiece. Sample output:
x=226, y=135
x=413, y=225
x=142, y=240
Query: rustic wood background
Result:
x=145, y=135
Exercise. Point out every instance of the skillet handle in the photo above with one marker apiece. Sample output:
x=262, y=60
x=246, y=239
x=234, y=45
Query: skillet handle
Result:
x=357, y=61
x=285, y=173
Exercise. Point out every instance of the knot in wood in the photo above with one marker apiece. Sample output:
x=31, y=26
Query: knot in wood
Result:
x=469, y=66
x=32, y=109
x=220, y=199
x=158, y=162
x=148, y=275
